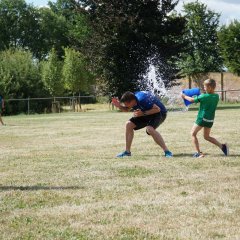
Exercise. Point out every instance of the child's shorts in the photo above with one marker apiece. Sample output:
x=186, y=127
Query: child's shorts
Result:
x=202, y=123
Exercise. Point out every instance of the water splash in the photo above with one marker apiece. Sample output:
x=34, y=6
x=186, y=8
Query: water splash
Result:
x=171, y=97
x=154, y=83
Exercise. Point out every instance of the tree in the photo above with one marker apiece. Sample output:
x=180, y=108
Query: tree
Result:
x=20, y=78
x=76, y=76
x=202, y=53
x=78, y=28
x=38, y=29
x=52, y=74
x=229, y=39
x=19, y=74
x=126, y=37
x=19, y=25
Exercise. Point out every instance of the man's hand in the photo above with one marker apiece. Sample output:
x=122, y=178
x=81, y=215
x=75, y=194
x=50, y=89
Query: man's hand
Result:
x=116, y=102
x=138, y=113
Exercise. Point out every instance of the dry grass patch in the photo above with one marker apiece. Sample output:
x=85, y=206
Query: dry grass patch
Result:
x=60, y=179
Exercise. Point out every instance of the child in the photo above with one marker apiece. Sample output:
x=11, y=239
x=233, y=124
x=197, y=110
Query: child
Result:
x=148, y=112
x=205, y=118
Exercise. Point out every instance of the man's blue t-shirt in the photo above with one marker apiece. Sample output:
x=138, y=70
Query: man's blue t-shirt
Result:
x=146, y=100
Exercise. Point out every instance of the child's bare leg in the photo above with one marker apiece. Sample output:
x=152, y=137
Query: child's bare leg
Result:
x=207, y=137
x=1, y=121
x=195, y=130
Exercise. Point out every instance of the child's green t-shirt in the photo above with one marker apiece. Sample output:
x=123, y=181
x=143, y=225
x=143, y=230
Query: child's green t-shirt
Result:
x=208, y=105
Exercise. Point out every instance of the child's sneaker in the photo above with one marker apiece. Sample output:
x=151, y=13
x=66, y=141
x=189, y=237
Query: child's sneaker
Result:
x=198, y=155
x=225, y=149
x=168, y=154
x=124, y=154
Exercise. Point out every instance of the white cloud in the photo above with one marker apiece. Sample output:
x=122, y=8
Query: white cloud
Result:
x=229, y=9
x=230, y=1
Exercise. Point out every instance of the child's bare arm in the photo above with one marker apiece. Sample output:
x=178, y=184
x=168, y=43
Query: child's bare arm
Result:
x=190, y=99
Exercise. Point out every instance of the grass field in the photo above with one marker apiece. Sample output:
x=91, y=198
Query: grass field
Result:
x=59, y=179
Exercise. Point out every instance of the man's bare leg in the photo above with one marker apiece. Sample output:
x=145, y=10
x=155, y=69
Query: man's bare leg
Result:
x=157, y=137
x=129, y=134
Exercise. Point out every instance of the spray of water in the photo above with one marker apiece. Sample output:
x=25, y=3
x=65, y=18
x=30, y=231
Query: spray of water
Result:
x=171, y=97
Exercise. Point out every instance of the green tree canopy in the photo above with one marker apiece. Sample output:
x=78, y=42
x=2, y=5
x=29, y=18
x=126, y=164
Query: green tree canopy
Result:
x=202, y=52
x=40, y=29
x=19, y=74
x=52, y=74
x=77, y=22
x=76, y=76
x=54, y=32
x=19, y=25
x=229, y=38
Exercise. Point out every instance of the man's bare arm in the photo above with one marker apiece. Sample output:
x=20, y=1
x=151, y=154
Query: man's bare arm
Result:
x=153, y=110
x=117, y=104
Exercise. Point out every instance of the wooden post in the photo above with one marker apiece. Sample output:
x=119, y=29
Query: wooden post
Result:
x=80, y=106
x=28, y=105
x=189, y=82
x=222, y=87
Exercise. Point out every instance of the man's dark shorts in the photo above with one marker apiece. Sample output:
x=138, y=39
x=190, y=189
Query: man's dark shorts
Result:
x=153, y=120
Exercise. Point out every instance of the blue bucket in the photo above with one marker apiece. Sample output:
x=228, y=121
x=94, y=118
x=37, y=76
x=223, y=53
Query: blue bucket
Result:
x=190, y=93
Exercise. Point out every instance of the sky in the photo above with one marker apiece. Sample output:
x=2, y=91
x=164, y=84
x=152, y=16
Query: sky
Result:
x=39, y=3
x=229, y=9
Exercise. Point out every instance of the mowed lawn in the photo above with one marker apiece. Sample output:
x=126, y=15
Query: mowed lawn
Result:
x=59, y=179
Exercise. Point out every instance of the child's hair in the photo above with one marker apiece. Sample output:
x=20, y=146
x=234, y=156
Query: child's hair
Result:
x=127, y=97
x=210, y=82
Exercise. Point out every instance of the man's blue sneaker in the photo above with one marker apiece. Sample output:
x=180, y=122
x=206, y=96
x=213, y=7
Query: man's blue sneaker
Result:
x=198, y=155
x=124, y=154
x=168, y=154
x=225, y=149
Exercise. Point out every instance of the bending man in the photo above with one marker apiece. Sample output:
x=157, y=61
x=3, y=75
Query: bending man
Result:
x=148, y=111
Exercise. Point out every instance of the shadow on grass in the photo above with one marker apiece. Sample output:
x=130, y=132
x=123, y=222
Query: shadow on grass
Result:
x=207, y=155
x=179, y=155
x=37, y=188
x=233, y=155
x=230, y=155
x=174, y=155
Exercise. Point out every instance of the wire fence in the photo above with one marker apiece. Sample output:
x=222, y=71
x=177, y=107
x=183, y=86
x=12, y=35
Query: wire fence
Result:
x=74, y=103
x=231, y=95
x=47, y=104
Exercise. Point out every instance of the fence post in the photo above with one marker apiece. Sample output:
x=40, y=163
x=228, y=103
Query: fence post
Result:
x=222, y=87
x=73, y=103
x=80, y=106
x=28, y=105
x=189, y=82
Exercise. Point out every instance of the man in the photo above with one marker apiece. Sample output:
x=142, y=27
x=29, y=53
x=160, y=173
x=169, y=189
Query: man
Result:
x=148, y=112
